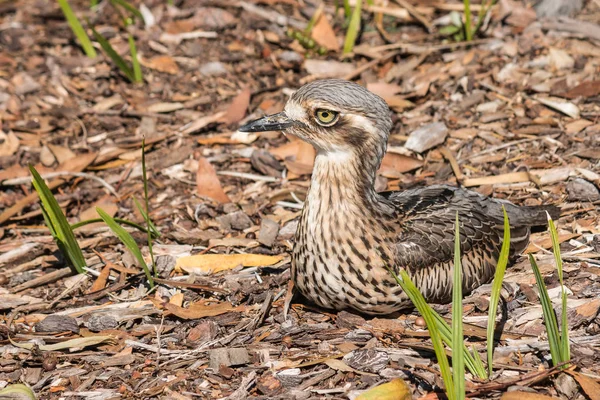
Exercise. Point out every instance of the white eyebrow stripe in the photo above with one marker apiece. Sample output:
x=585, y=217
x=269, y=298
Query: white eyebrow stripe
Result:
x=295, y=111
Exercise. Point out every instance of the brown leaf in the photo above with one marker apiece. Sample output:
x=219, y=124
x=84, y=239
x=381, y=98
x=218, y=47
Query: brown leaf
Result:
x=162, y=64
x=589, y=385
x=238, y=107
x=207, y=182
x=202, y=264
x=546, y=242
x=399, y=163
x=202, y=310
x=324, y=35
x=511, y=177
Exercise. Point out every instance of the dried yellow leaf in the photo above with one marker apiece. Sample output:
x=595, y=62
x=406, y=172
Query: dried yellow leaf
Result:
x=203, y=264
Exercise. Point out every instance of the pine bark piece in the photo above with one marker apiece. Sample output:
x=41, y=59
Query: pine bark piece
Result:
x=228, y=357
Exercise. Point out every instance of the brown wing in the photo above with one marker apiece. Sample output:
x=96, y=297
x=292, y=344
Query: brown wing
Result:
x=425, y=245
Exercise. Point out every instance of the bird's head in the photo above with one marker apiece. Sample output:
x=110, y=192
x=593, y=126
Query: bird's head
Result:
x=333, y=115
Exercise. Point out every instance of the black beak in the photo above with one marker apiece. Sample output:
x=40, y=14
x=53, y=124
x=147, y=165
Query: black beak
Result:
x=275, y=122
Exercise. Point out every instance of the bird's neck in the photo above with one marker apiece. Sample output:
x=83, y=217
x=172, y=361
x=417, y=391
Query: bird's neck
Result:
x=345, y=178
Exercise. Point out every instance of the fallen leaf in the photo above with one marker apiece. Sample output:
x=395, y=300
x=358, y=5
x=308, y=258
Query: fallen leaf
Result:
x=71, y=344
x=201, y=310
x=201, y=123
x=590, y=386
x=577, y=126
x=324, y=35
x=395, y=389
x=399, y=163
x=162, y=64
x=203, y=264
x=237, y=109
x=525, y=396
x=9, y=144
x=207, y=182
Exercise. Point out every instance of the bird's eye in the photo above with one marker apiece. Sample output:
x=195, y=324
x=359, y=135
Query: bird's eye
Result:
x=326, y=117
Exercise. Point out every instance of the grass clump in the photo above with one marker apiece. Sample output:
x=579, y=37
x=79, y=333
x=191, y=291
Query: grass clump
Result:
x=57, y=223
x=453, y=337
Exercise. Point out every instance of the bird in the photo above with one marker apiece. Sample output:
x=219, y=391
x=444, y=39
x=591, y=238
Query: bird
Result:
x=350, y=236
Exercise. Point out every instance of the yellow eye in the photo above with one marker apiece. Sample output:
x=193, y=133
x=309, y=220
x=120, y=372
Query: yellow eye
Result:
x=326, y=117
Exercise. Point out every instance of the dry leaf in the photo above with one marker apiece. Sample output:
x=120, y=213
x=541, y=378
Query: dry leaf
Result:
x=524, y=396
x=399, y=163
x=162, y=64
x=9, y=144
x=202, y=123
x=589, y=385
x=324, y=35
x=207, y=182
x=203, y=264
x=201, y=310
x=237, y=109
x=71, y=344
x=395, y=389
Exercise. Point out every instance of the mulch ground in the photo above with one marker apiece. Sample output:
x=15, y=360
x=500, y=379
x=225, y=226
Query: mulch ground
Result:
x=514, y=115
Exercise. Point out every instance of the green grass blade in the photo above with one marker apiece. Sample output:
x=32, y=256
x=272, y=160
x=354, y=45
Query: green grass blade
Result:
x=496, y=288
x=129, y=7
x=146, y=215
x=471, y=363
x=458, y=340
x=58, y=224
x=137, y=69
x=353, y=28
x=468, y=27
x=564, y=337
x=478, y=364
x=117, y=59
x=549, y=316
x=347, y=9
x=419, y=301
x=77, y=29
x=127, y=240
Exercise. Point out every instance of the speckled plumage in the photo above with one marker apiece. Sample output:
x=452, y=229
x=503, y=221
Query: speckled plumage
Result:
x=348, y=234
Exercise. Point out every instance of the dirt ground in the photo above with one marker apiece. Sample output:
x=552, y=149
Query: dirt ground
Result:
x=514, y=114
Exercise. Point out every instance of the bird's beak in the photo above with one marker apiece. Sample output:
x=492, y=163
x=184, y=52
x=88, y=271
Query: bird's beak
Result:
x=275, y=122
